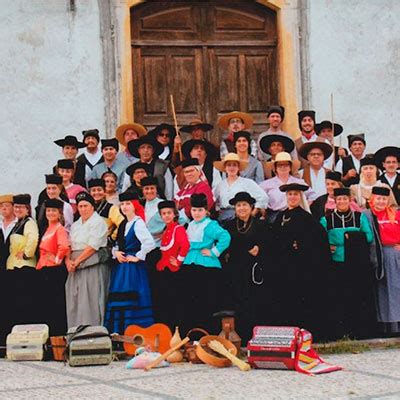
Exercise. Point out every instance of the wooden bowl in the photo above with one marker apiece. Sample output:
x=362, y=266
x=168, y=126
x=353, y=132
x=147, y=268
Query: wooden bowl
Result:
x=210, y=357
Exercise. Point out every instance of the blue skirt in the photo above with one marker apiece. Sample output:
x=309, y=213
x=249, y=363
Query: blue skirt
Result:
x=129, y=298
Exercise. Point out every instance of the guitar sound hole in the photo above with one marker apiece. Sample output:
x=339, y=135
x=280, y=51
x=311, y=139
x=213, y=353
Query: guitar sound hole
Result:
x=138, y=340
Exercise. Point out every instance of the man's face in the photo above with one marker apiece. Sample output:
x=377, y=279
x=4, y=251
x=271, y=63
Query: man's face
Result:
x=163, y=137
x=146, y=152
x=197, y=134
x=326, y=133
x=274, y=120
x=70, y=152
x=357, y=148
x=109, y=153
x=275, y=148
x=316, y=158
x=235, y=125
x=91, y=142
x=150, y=192
x=307, y=125
x=391, y=164
x=98, y=193
x=138, y=175
x=130, y=135
x=7, y=210
x=199, y=152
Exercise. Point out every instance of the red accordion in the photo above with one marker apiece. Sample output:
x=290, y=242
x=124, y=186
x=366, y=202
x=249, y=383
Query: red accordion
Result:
x=273, y=347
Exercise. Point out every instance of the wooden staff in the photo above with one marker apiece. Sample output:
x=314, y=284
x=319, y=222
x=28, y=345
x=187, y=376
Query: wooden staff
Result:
x=176, y=124
x=166, y=354
x=333, y=133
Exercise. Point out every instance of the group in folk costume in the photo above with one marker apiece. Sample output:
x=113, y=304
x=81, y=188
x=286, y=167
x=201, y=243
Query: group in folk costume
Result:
x=129, y=299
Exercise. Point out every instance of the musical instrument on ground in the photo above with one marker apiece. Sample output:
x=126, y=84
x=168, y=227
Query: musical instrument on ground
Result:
x=209, y=356
x=156, y=337
x=220, y=348
x=166, y=354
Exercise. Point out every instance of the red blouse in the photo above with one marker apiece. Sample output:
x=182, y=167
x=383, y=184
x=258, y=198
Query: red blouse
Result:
x=174, y=243
x=389, y=232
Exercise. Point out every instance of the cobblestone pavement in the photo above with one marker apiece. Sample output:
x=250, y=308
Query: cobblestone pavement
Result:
x=370, y=375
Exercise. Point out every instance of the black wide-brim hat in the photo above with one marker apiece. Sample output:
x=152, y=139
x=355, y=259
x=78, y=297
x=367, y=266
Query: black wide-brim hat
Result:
x=337, y=128
x=242, y=196
x=196, y=124
x=133, y=145
x=384, y=152
x=188, y=146
x=307, y=147
x=171, y=130
x=266, y=141
x=137, y=165
x=293, y=186
x=70, y=140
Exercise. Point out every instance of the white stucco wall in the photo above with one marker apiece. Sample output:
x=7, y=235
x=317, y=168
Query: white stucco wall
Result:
x=355, y=54
x=51, y=85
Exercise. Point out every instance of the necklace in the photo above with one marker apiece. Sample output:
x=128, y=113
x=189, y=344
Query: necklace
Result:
x=344, y=217
x=246, y=226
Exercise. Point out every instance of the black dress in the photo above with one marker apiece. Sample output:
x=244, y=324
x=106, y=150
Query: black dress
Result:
x=301, y=261
x=243, y=274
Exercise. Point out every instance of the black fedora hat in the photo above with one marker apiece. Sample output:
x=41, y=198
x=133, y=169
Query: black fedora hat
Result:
x=188, y=146
x=267, y=140
x=70, y=140
x=196, y=124
x=293, y=186
x=307, y=147
x=337, y=130
x=157, y=130
x=242, y=196
x=133, y=145
x=384, y=152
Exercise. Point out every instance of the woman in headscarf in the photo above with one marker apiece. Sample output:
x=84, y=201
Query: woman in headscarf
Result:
x=385, y=221
x=349, y=290
x=233, y=183
x=88, y=272
x=53, y=248
x=129, y=301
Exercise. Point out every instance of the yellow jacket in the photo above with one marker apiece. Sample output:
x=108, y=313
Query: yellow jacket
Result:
x=113, y=221
x=24, y=239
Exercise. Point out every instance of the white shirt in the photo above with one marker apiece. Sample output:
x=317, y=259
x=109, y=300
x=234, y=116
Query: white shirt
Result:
x=147, y=243
x=317, y=180
x=356, y=162
x=91, y=233
x=165, y=153
x=68, y=215
x=391, y=179
x=225, y=192
x=93, y=158
x=7, y=230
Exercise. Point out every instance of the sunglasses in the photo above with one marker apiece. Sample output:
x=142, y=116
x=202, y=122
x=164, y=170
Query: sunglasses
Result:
x=164, y=134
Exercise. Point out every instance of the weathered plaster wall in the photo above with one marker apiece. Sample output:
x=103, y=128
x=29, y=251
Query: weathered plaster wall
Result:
x=51, y=84
x=355, y=54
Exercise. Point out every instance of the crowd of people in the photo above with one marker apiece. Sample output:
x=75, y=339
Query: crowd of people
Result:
x=279, y=231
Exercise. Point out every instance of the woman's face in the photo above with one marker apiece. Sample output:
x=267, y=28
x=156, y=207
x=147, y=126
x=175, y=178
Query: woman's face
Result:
x=66, y=174
x=275, y=148
x=192, y=174
x=283, y=168
x=53, y=215
x=167, y=215
x=380, y=202
x=163, y=137
x=20, y=210
x=243, y=210
x=242, y=144
x=198, y=213
x=331, y=185
x=232, y=168
x=130, y=135
x=85, y=209
x=53, y=191
x=293, y=198
x=127, y=208
x=199, y=152
x=369, y=172
x=98, y=193
x=342, y=203
x=111, y=184
x=150, y=192
x=70, y=152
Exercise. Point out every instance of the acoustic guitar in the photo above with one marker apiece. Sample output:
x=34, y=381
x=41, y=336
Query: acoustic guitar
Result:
x=156, y=337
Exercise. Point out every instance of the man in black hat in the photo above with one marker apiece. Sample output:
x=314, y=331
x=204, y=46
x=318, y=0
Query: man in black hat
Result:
x=349, y=166
x=7, y=224
x=275, y=115
x=388, y=159
x=70, y=148
x=147, y=150
x=109, y=149
x=91, y=154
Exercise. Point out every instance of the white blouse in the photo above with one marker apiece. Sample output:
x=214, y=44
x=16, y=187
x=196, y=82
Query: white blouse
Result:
x=147, y=243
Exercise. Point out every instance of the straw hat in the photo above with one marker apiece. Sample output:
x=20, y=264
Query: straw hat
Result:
x=6, y=198
x=285, y=157
x=223, y=121
x=119, y=133
x=220, y=165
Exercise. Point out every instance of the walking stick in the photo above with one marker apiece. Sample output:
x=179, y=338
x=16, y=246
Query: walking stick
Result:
x=176, y=124
x=333, y=133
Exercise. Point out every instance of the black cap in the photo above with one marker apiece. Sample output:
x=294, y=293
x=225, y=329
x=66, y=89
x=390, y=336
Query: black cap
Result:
x=166, y=204
x=343, y=191
x=334, y=176
x=53, y=179
x=138, y=165
x=70, y=140
x=149, y=181
x=242, y=196
x=96, y=183
x=91, y=132
x=240, y=134
x=128, y=196
x=54, y=203
x=65, y=164
x=306, y=113
x=110, y=143
x=198, y=200
x=381, y=190
x=133, y=145
x=276, y=109
x=358, y=137
x=337, y=129
x=85, y=196
x=24, y=199
x=189, y=162
x=368, y=161
x=293, y=186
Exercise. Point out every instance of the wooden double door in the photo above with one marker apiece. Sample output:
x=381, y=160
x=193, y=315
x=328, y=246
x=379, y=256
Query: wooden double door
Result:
x=212, y=56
